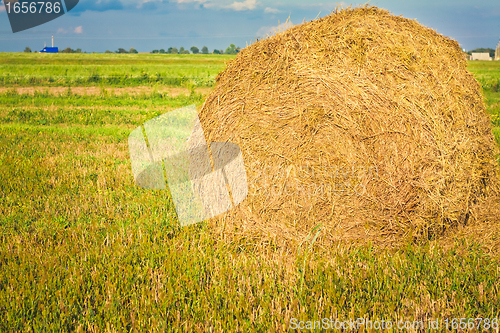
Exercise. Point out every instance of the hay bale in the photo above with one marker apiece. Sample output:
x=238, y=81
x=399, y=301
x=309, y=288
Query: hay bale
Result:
x=364, y=122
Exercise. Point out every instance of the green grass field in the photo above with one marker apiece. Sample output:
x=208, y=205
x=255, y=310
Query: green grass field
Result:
x=82, y=248
x=109, y=69
x=488, y=75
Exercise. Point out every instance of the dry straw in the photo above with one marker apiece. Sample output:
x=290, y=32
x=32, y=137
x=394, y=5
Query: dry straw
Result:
x=363, y=122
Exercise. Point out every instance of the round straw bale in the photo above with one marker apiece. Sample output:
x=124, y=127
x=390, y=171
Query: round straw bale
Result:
x=366, y=123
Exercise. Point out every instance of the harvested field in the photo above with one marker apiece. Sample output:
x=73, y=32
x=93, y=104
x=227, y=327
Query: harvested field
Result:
x=98, y=90
x=365, y=123
x=85, y=249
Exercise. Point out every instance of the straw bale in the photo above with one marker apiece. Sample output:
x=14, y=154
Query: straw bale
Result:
x=363, y=122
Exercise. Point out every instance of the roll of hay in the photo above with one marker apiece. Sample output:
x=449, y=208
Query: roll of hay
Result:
x=363, y=122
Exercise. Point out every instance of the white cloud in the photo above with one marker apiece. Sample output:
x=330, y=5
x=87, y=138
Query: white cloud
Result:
x=270, y=10
x=229, y=4
x=77, y=30
x=343, y=4
x=188, y=1
x=189, y=4
x=265, y=31
x=245, y=5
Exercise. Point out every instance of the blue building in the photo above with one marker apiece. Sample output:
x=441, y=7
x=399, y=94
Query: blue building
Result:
x=50, y=50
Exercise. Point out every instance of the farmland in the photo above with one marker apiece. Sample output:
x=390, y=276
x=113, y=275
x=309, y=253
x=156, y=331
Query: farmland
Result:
x=488, y=75
x=110, y=70
x=82, y=248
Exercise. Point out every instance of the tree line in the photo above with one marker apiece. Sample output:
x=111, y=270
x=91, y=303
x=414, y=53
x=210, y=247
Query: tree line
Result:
x=231, y=49
x=122, y=50
x=66, y=50
x=483, y=50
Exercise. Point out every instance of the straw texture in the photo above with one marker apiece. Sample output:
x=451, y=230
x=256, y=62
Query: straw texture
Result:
x=364, y=122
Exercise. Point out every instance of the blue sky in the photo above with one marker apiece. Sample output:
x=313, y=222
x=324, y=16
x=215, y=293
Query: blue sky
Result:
x=99, y=25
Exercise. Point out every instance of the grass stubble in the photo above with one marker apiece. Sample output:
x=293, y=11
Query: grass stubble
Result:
x=82, y=248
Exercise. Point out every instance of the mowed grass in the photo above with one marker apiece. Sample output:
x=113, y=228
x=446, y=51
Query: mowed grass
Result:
x=82, y=248
x=120, y=70
x=488, y=75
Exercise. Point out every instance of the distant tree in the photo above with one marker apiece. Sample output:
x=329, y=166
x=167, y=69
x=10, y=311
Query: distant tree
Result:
x=232, y=49
x=132, y=50
x=195, y=50
x=108, y=51
x=173, y=50
x=181, y=50
x=68, y=50
x=78, y=51
x=185, y=52
x=121, y=50
x=216, y=51
x=155, y=51
x=204, y=50
x=27, y=50
x=162, y=51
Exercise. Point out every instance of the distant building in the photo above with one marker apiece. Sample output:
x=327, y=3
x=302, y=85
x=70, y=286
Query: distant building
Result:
x=480, y=56
x=50, y=50
x=497, y=51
